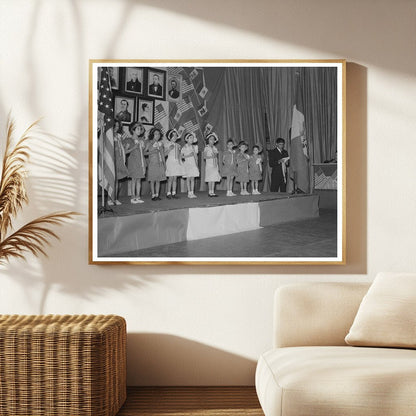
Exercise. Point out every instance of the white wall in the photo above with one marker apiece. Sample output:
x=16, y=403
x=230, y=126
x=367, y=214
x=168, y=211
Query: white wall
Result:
x=204, y=325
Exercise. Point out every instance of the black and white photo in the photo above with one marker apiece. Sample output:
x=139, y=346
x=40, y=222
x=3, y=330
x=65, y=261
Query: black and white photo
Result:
x=134, y=80
x=145, y=109
x=156, y=83
x=124, y=108
x=249, y=168
x=175, y=88
x=113, y=72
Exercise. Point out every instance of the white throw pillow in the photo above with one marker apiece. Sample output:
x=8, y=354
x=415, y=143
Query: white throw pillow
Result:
x=387, y=314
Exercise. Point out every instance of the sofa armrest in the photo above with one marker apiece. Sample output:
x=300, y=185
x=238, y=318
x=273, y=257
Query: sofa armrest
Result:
x=315, y=313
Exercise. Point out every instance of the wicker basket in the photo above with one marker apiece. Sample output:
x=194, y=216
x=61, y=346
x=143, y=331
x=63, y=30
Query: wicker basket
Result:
x=71, y=365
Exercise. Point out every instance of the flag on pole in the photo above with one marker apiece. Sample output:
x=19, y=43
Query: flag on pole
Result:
x=106, y=157
x=299, y=157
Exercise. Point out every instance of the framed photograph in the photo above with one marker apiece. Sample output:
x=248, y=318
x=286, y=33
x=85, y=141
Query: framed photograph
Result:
x=134, y=82
x=156, y=83
x=145, y=111
x=175, y=88
x=284, y=164
x=124, y=109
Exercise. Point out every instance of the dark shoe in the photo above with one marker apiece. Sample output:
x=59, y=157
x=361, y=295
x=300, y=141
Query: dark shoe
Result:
x=154, y=198
x=169, y=196
x=174, y=196
x=214, y=195
x=158, y=198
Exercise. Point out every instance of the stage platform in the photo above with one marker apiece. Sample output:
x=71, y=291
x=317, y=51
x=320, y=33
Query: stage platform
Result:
x=155, y=223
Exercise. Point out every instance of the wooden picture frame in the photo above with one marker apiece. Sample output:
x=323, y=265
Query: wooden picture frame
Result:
x=145, y=111
x=134, y=82
x=156, y=83
x=124, y=109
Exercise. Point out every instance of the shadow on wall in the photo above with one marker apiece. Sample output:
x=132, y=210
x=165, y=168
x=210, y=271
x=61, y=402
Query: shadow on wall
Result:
x=161, y=359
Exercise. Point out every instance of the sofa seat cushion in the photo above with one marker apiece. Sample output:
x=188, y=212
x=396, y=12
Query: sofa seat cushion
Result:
x=341, y=381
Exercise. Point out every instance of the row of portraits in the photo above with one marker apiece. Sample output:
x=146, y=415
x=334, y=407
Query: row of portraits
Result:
x=146, y=82
x=128, y=109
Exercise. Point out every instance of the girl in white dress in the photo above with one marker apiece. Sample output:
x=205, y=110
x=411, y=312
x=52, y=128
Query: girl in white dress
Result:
x=212, y=173
x=174, y=167
x=189, y=153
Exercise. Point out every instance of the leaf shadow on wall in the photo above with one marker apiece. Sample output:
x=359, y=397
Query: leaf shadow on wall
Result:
x=163, y=359
x=335, y=27
x=52, y=187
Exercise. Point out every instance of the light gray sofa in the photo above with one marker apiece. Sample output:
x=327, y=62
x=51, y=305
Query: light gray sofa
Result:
x=311, y=371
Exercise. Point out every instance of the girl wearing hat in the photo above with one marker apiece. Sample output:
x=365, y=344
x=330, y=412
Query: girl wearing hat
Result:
x=229, y=167
x=174, y=166
x=242, y=167
x=156, y=169
x=189, y=153
x=212, y=173
x=136, y=164
x=255, y=169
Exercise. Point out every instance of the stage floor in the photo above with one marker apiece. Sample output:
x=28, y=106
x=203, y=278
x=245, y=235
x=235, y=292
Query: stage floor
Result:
x=316, y=237
x=266, y=225
x=202, y=200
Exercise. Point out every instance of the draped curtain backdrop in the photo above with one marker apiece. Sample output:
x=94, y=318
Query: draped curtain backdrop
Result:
x=241, y=96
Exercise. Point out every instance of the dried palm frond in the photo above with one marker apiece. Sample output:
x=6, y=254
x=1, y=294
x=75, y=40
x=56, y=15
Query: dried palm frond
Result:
x=32, y=237
x=12, y=183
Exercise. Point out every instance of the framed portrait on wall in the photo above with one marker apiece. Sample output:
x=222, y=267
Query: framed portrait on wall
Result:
x=156, y=83
x=145, y=111
x=114, y=77
x=174, y=86
x=124, y=109
x=287, y=203
x=133, y=82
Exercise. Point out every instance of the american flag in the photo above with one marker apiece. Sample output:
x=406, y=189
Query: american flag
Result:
x=184, y=106
x=187, y=87
x=106, y=157
x=190, y=126
x=160, y=113
x=159, y=126
x=175, y=70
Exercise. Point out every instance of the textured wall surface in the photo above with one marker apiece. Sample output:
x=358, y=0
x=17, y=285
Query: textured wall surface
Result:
x=204, y=325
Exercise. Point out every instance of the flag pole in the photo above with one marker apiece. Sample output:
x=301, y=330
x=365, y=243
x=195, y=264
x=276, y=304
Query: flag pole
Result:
x=102, y=166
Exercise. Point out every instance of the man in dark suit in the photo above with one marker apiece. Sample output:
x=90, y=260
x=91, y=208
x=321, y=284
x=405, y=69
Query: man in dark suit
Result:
x=173, y=92
x=124, y=114
x=134, y=84
x=155, y=88
x=278, y=164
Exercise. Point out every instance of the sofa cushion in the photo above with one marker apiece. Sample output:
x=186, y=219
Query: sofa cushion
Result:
x=387, y=314
x=304, y=381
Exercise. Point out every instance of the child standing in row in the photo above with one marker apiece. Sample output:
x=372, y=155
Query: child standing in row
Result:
x=174, y=167
x=136, y=165
x=156, y=169
x=242, y=167
x=255, y=170
x=120, y=159
x=212, y=174
x=189, y=153
x=229, y=166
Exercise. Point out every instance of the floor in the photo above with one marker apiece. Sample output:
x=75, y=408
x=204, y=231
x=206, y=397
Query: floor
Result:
x=315, y=237
x=191, y=401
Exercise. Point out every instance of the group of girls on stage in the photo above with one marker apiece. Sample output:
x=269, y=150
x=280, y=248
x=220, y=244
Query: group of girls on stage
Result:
x=157, y=160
